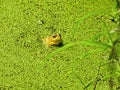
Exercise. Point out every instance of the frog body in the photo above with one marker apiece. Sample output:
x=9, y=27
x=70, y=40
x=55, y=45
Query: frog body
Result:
x=54, y=40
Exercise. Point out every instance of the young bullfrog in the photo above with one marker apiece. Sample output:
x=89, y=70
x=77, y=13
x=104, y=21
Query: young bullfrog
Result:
x=54, y=40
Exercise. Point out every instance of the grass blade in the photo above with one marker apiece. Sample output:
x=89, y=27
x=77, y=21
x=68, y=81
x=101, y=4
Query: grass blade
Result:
x=80, y=20
x=108, y=33
x=99, y=45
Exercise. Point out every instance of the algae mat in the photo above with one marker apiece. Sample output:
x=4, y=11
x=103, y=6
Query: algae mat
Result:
x=25, y=63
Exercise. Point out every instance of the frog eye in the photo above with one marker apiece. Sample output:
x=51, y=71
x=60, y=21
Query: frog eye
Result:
x=54, y=36
x=59, y=34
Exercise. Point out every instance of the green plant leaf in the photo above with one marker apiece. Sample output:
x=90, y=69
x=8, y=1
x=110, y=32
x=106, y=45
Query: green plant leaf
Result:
x=108, y=32
x=97, y=44
x=88, y=84
x=80, y=20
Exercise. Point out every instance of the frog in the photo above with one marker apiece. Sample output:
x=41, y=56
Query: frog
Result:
x=53, y=40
